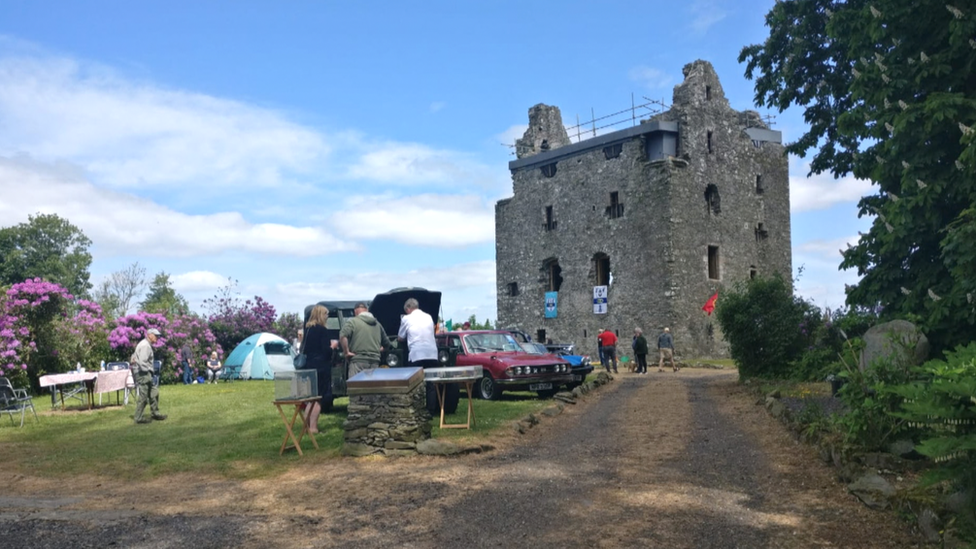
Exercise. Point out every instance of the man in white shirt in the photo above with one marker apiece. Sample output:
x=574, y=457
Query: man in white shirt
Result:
x=417, y=329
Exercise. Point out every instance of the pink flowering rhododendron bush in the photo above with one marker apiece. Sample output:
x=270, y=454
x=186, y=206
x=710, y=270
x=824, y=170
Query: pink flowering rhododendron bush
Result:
x=191, y=329
x=33, y=315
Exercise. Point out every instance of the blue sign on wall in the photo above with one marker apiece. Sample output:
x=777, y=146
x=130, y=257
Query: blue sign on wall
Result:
x=551, y=302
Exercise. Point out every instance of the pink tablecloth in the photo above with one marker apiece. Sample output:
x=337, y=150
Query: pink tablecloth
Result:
x=114, y=380
x=62, y=379
x=105, y=382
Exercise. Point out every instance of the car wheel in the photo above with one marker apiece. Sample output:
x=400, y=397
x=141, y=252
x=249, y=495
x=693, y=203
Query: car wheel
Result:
x=452, y=394
x=487, y=389
x=548, y=393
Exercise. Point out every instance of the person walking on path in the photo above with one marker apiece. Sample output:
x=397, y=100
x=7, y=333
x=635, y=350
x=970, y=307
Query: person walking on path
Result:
x=640, y=350
x=186, y=360
x=142, y=373
x=317, y=348
x=665, y=349
x=363, y=339
x=608, y=347
x=417, y=329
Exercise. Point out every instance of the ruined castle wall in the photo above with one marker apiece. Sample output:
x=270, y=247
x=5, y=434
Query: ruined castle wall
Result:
x=659, y=247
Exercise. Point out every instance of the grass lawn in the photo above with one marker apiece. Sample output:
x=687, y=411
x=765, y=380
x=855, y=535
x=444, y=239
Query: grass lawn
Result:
x=228, y=429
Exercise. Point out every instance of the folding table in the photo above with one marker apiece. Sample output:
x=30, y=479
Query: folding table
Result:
x=300, y=404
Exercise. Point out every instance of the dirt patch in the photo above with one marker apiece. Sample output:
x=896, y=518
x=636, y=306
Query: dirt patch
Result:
x=664, y=459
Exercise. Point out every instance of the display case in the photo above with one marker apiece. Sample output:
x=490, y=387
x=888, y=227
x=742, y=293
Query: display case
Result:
x=456, y=373
x=385, y=381
x=296, y=385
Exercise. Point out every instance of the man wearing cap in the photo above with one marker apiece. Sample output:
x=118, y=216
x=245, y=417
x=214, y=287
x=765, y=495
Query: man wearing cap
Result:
x=142, y=374
x=363, y=338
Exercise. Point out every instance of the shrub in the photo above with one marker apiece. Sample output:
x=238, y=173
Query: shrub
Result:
x=766, y=326
x=942, y=408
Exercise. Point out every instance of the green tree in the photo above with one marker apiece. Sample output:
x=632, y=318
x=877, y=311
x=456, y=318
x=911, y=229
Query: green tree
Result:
x=889, y=91
x=766, y=326
x=163, y=299
x=46, y=247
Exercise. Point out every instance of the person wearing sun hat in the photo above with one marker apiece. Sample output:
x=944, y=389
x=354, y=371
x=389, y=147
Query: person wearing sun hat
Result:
x=142, y=375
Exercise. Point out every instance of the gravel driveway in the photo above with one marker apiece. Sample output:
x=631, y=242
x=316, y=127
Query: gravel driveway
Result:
x=659, y=460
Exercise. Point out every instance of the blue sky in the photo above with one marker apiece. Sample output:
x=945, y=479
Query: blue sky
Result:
x=334, y=150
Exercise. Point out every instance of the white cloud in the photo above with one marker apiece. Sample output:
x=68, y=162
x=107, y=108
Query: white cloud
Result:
x=511, y=135
x=650, y=77
x=822, y=191
x=128, y=134
x=828, y=250
x=195, y=281
x=414, y=164
x=704, y=14
x=124, y=224
x=442, y=221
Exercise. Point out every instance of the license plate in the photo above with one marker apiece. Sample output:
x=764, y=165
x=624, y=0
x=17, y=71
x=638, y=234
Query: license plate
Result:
x=577, y=377
x=540, y=386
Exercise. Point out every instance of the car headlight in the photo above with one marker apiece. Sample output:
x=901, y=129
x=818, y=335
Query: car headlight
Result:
x=442, y=356
x=585, y=361
x=392, y=360
x=519, y=370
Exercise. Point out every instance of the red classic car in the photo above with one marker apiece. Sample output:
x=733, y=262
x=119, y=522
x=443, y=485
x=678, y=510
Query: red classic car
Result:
x=505, y=365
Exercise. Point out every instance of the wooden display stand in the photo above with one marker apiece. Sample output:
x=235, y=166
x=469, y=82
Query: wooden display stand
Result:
x=441, y=388
x=300, y=405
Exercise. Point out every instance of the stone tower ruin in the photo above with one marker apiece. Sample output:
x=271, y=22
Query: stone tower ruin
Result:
x=663, y=215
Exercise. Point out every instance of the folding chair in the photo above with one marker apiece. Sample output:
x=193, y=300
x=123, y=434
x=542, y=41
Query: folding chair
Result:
x=113, y=366
x=15, y=400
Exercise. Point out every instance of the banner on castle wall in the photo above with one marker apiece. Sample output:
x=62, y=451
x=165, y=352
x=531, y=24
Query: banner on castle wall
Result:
x=552, y=301
x=599, y=300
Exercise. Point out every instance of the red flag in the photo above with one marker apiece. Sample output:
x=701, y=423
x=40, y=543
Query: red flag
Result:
x=709, y=305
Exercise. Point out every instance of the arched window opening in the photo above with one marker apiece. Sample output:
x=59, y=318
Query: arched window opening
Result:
x=601, y=264
x=553, y=275
x=713, y=201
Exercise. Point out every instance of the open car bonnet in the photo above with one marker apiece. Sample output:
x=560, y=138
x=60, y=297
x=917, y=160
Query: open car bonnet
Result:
x=388, y=307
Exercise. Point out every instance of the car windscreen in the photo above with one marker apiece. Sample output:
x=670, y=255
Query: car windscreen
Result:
x=534, y=348
x=483, y=343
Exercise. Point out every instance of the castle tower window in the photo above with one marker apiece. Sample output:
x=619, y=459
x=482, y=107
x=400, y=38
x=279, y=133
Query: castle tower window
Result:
x=761, y=232
x=708, y=141
x=549, y=170
x=713, y=270
x=759, y=184
x=601, y=266
x=708, y=93
x=553, y=274
x=540, y=336
x=550, y=224
x=713, y=201
x=753, y=272
x=613, y=151
x=513, y=289
x=616, y=208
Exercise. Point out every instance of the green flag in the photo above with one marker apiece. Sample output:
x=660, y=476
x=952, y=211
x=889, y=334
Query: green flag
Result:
x=450, y=325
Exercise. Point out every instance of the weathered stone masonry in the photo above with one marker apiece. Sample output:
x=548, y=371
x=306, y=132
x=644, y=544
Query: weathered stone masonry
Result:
x=668, y=212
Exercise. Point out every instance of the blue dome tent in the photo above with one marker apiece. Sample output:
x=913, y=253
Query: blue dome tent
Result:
x=259, y=357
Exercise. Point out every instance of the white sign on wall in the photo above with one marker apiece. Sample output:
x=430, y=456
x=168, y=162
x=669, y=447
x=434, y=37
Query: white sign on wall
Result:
x=599, y=300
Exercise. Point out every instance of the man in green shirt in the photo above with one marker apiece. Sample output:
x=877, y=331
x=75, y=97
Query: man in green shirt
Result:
x=363, y=339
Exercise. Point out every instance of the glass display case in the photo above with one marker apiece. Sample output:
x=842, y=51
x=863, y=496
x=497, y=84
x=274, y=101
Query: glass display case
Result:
x=456, y=373
x=295, y=385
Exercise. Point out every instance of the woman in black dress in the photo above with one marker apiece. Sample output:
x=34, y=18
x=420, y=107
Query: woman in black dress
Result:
x=318, y=350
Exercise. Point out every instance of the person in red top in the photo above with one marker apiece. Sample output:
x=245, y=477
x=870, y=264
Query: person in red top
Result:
x=608, y=349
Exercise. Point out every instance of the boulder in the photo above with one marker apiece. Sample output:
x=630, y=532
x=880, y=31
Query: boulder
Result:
x=437, y=447
x=873, y=490
x=898, y=341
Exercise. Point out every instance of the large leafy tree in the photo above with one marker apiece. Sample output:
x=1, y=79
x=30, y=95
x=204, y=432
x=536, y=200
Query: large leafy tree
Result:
x=888, y=89
x=46, y=247
x=232, y=320
x=163, y=299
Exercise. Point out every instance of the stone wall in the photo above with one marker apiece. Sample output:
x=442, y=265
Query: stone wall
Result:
x=658, y=246
x=387, y=424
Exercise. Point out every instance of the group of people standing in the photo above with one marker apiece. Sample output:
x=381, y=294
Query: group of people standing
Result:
x=607, y=343
x=362, y=341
